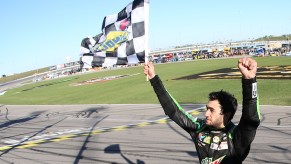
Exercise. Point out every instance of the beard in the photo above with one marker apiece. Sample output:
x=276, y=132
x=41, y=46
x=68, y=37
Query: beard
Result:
x=214, y=124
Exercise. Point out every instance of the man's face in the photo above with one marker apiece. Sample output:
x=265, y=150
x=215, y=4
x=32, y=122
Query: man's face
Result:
x=213, y=115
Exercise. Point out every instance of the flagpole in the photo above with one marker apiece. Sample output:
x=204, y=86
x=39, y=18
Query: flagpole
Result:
x=147, y=13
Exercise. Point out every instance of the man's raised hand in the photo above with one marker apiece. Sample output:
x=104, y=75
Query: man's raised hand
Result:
x=248, y=67
x=149, y=70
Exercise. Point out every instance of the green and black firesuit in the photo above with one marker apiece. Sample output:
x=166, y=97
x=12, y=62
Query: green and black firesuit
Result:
x=230, y=144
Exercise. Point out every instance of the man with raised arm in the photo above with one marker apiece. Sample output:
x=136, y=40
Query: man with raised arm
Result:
x=216, y=138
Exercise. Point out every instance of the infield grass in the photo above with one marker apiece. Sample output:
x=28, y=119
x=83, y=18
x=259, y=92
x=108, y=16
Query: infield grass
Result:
x=136, y=90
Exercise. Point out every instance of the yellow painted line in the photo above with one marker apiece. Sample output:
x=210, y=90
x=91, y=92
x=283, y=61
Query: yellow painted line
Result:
x=161, y=121
x=143, y=124
x=195, y=112
x=62, y=138
x=26, y=146
x=98, y=131
x=118, y=128
x=5, y=148
x=86, y=134
x=36, y=142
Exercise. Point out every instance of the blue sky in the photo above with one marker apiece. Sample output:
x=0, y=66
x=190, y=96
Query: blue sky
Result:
x=41, y=33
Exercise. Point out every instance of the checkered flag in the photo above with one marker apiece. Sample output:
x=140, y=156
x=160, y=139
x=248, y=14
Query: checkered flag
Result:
x=124, y=38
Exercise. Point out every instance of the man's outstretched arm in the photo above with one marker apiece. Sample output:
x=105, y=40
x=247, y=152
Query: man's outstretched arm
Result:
x=170, y=105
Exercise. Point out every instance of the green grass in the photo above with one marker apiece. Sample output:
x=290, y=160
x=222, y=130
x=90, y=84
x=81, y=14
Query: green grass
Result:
x=274, y=38
x=22, y=75
x=136, y=90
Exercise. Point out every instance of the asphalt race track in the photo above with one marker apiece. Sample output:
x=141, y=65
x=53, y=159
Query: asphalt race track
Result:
x=122, y=134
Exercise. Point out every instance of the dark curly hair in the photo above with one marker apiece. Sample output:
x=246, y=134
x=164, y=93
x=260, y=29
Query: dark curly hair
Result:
x=227, y=101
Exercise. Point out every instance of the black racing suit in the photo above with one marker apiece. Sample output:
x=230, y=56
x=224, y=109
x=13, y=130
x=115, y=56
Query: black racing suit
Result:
x=230, y=144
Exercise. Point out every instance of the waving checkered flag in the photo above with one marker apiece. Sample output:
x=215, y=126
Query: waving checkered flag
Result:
x=124, y=38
